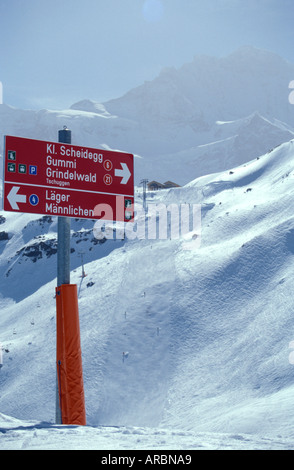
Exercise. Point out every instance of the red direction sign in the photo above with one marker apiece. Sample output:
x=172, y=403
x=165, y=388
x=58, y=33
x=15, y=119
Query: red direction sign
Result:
x=67, y=180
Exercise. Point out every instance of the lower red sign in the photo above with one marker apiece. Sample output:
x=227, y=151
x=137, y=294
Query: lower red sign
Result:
x=67, y=203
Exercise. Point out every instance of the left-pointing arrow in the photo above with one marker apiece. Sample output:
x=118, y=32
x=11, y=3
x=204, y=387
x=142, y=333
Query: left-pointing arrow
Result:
x=14, y=198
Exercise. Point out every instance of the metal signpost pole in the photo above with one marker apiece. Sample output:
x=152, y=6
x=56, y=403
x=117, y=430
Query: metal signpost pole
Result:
x=63, y=250
x=63, y=254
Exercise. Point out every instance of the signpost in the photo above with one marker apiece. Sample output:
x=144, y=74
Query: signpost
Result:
x=63, y=266
x=66, y=180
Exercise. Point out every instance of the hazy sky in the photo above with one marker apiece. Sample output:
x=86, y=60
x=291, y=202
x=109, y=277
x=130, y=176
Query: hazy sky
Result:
x=56, y=52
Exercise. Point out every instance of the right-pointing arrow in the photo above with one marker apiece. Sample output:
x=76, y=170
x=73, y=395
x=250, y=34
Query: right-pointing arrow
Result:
x=14, y=198
x=124, y=173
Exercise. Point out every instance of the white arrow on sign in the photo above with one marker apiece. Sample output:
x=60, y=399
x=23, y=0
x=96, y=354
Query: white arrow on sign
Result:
x=124, y=173
x=14, y=198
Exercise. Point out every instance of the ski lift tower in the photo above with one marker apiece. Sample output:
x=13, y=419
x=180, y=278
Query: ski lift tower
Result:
x=1, y=356
x=81, y=253
x=144, y=183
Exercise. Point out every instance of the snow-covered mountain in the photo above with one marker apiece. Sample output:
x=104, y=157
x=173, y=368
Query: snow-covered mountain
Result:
x=174, y=124
x=175, y=341
x=182, y=348
x=232, y=87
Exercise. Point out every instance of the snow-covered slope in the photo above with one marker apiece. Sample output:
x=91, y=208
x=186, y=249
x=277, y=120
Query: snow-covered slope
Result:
x=174, y=340
x=227, y=144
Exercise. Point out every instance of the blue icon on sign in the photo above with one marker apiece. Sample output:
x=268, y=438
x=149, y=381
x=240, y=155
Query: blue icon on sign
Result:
x=34, y=200
x=33, y=170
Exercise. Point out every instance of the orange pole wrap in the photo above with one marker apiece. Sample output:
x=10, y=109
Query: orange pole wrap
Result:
x=69, y=356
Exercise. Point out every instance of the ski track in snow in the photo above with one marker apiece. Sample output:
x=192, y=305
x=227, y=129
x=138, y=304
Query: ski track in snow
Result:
x=21, y=435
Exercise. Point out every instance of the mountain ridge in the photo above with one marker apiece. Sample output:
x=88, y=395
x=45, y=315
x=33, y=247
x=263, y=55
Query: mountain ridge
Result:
x=176, y=113
x=208, y=80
